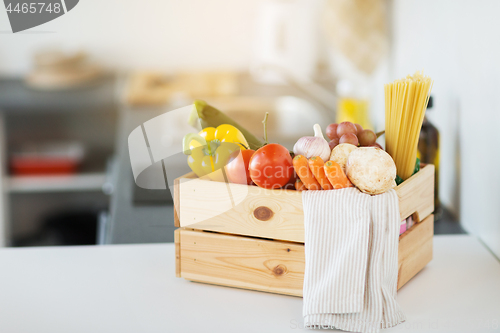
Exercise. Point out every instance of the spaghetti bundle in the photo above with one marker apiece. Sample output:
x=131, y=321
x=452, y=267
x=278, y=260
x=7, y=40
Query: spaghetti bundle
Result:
x=405, y=104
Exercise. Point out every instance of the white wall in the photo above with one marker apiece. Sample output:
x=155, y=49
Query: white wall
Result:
x=155, y=34
x=456, y=42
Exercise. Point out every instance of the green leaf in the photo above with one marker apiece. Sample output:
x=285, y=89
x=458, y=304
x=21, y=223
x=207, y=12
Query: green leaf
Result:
x=417, y=166
x=399, y=180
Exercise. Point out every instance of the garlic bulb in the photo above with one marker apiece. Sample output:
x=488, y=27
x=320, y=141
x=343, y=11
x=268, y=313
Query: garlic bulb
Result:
x=310, y=146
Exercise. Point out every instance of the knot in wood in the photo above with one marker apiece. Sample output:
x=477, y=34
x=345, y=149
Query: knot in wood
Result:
x=263, y=213
x=279, y=270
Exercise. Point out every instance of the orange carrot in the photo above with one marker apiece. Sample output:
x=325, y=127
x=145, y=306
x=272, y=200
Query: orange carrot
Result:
x=299, y=185
x=336, y=175
x=306, y=176
x=316, y=165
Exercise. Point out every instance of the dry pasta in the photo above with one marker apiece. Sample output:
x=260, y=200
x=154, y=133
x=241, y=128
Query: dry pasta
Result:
x=405, y=103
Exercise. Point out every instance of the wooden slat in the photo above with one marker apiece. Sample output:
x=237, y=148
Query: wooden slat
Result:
x=275, y=266
x=416, y=194
x=276, y=214
x=177, y=204
x=177, y=241
x=415, y=250
x=177, y=196
x=241, y=209
x=242, y=262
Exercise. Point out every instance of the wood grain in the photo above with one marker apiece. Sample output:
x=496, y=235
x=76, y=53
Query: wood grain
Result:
x=177, y=196
x=275, y=266
x=242, y=262
x=177, y=203
x=241, y=209
x=415, y=250
x=275, y=214
x=416, y=194
x=177, y=242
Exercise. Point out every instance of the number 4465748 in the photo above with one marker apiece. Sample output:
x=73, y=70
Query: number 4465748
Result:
x=34, y=8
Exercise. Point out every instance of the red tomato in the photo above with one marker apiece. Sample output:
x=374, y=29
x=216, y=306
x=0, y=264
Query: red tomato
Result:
x=237, y=167
x=271, y=166
x=291, y=182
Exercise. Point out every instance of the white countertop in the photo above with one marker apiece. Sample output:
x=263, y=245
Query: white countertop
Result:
x=133, y=288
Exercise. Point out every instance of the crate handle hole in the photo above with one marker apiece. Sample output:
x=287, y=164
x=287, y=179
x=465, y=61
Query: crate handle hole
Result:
x=415, y=217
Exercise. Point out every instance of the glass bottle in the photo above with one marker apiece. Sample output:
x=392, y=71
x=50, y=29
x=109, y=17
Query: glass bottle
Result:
x=428, y=152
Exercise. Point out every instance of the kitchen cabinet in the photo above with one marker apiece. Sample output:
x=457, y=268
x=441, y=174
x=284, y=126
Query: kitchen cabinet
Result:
x=87, y=115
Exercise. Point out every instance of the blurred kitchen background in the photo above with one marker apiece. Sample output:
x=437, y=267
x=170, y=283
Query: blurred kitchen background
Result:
x=72, y=90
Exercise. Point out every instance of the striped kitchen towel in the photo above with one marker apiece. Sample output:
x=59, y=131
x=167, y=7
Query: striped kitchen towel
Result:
x=351, y=251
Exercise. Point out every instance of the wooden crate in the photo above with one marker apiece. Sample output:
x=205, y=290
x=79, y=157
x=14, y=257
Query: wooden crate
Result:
x=253, y=238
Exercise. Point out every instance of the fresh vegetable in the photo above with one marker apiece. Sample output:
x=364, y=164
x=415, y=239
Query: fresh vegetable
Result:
x=310, y=146
x=359, y=128
x=345, y=128
x=301, y=167
x=354, y=134
x=331, y=131
x=340, y=152
x=372, y=170
x=399, y=180
x=336, y=175
x=316, y=165
x=299, y=185
x=209, y=150
x=211, y=117
x=223, y=133
x=271, y=166
x=349, y=138
x=367, y=137
x=376, y=145
x=208, y=157
x=237, y=167
x=291, y=183
x=333, y=143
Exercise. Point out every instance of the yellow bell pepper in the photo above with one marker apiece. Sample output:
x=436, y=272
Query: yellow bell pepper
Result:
x=210, y=149
x=223, y=133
